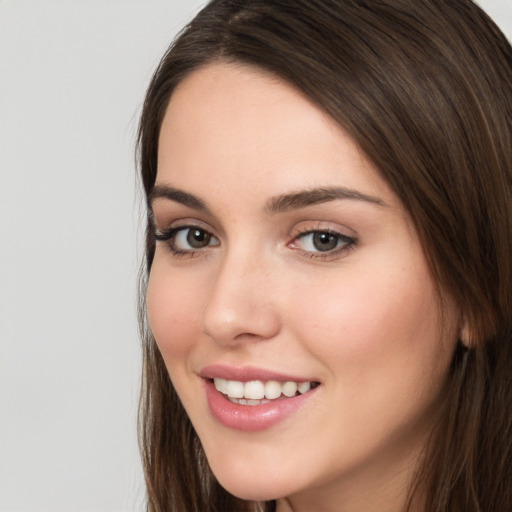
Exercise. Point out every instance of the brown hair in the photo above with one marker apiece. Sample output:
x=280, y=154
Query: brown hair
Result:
x=425, y=89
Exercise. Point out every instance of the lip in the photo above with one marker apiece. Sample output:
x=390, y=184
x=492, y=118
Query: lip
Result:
x=247, y=373
x=250, y=418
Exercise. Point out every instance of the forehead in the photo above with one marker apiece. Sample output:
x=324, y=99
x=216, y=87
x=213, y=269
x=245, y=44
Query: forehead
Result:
x=221, y=101
x=227, y=121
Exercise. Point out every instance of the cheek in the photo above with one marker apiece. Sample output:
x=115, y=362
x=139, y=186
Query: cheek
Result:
x=379, y=340
x=172, y=308
x=375, y=322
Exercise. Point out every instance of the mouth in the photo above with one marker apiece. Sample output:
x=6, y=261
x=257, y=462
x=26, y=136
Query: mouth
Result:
x=254, y=399
x=260, y=392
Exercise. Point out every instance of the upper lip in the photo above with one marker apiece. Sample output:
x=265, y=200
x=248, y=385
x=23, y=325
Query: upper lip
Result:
x=247, y=373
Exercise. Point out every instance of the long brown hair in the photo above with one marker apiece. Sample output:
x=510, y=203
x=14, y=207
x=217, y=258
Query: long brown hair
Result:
x=425, y=89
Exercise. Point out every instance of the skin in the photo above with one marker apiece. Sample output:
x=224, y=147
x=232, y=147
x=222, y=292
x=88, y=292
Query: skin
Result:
x=362, y=320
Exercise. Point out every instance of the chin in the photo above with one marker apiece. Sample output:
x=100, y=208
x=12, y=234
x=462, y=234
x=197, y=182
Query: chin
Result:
x=250, y=492
x=246, y=485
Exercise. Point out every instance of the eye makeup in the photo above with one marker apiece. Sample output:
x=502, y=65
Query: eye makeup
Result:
x=186, y=240
x=323, y=243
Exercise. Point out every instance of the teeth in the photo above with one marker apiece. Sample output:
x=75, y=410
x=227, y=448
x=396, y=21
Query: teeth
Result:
x=290, y=388
x=243, y=401
x=254, y=389
x=222, y=385
x=272, y=389
x=256, y=392
x=304, y=387
x=234, y=389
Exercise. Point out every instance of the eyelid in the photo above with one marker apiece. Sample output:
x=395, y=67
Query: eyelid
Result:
x=165, y=225
x=168, y=237
x=349, y=241
x=305, y=227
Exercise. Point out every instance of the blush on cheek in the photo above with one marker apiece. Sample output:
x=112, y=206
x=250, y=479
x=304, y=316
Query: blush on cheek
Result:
x=170, y=316
x=366, y=318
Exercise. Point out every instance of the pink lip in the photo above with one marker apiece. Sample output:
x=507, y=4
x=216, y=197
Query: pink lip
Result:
x=246, y=374
x=250, y=418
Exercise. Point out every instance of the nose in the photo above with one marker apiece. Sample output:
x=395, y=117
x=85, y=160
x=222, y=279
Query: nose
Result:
x=241, y=306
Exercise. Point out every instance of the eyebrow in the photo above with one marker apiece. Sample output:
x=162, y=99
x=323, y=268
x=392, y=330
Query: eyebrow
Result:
x=314, y=196
x=179, y=196
x=274, y=205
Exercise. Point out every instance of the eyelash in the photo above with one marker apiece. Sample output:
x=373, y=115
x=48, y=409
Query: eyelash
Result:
x=169, y=237
x=348, y=243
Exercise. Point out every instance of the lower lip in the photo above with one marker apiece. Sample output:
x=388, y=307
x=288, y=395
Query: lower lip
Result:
x=252, y=418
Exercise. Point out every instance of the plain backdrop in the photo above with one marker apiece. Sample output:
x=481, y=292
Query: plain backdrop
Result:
x=72, y=79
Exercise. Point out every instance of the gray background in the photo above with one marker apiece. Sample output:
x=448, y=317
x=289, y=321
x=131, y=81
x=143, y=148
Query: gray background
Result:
x=72, y=78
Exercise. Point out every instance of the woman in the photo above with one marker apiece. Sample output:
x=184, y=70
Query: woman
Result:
x=327, y=292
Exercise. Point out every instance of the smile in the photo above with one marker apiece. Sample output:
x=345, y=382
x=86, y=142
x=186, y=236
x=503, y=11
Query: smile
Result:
x=257, y=392
x=251, y=399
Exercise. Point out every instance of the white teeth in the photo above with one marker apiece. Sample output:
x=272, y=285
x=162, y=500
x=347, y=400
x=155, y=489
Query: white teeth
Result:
x=304, y=387
x=272, y=389
x=254, y=389
x=256, y=392
x=243, y=401
x=234, y=389
x=221, y=385
x=289, y=389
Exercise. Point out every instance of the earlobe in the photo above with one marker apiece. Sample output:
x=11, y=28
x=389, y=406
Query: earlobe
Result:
x=465, y=333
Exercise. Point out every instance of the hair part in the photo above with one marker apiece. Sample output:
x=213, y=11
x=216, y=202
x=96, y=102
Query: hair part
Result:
x=425, y=90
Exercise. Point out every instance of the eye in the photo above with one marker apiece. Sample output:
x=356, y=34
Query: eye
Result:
x=322, y=242
x=186, y=239
x=192, y=238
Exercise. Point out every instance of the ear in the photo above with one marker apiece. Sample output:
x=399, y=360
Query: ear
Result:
x=465, y=333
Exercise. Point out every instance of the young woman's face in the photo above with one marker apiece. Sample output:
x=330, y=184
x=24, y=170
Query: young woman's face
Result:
x=283, y=257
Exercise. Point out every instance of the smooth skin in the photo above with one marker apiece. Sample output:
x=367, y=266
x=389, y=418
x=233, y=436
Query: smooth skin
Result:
x=332, y=289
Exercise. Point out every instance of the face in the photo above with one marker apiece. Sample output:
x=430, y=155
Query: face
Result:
x=289, y=296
